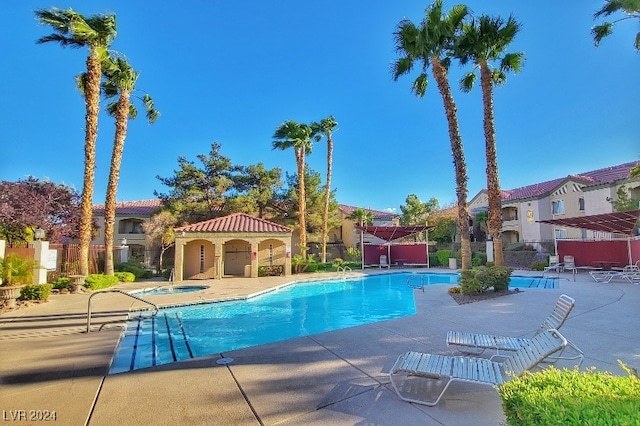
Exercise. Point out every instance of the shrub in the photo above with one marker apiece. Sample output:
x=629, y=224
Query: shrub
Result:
x=16, y=270
x=337, y=262
x=538, y=266
x=571, y=397
x=479, y=258
x=100, y=281
x=433, y=260
x=443, y=257
x=479, y=280
x=125, y=277
x=62, y=283
x=455, y=290
x=35, y=292
x=271, y=271
x=135, y=268
x=166, y=273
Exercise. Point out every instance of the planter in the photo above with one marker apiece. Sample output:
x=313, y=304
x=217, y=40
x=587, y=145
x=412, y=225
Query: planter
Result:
x=77, y=283
x=9, y=294
x=453, y=263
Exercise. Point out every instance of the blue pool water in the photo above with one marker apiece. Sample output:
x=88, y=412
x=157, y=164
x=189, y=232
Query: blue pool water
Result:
x=302, y=309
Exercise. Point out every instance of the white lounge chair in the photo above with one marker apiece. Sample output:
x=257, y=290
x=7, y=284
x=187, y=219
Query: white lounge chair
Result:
x=475, y=344
x=469, y=369
x=383, y=261
x=569, y=264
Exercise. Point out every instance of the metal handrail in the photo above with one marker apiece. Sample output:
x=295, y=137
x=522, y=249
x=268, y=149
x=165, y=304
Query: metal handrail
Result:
x=343, y=269
x=116, y=291
x=415, y=276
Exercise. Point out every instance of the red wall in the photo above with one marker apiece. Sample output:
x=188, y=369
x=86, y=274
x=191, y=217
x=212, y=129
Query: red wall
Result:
x=409, y=253
x=586, y=253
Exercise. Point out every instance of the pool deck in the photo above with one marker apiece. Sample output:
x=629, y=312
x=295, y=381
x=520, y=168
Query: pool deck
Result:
x=49, y=362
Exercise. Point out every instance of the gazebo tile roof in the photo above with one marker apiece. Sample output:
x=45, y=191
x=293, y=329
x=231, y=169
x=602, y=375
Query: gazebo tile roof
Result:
x=236, y=222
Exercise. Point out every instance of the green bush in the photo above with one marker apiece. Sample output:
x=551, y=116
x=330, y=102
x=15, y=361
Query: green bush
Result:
x=16, y=270
x=166, y=273
x=271, y=271
x=35, y=292
x=433, y=260
x=125, y=277
x=100, y=281
x=479, y=258
x=571, y=397
x=479, y=280
x=443, y=257
x=135, y=268
x=62, y=283
x=538, y=266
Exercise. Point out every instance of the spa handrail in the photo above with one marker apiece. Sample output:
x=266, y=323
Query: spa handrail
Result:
x=155, y=307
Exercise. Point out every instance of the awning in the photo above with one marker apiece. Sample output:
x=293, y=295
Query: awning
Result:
x=617, y=222
x=390, y=233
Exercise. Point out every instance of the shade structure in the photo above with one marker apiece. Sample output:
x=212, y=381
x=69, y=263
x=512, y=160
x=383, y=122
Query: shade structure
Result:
x=617, y=222
x=390, y=233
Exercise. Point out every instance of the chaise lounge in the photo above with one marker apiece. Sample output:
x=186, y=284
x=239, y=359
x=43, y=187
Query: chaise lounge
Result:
x=475, y=344
x=416, y=365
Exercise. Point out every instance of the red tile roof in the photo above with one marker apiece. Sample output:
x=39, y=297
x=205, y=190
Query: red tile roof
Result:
x=236, y=222
x=377, y=214
x=593, y=178
x=139, y=208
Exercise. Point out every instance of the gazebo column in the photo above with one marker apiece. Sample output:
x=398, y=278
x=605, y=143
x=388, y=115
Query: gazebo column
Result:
x=254, y=259
x=218, y=245
x=287, y=257
x=178, y=263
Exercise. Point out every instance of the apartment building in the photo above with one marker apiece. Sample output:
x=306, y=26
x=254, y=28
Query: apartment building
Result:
x=581, y=194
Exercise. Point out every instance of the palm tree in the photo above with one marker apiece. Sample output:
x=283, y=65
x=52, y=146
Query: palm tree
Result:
x=430, y=44
x=297, y=136
x=631, y=9
x=326, y=128
x=362, y=218
x=120, y=80
x=96, y=33
x=482, y=42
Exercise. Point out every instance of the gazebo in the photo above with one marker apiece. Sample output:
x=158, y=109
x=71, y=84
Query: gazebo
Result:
x=233, y=245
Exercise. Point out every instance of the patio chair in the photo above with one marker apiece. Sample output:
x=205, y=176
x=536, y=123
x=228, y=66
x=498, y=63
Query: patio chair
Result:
x=476, y=344
x=469, y=369
x=383, y=261
x=554, y=265
x=569, y=264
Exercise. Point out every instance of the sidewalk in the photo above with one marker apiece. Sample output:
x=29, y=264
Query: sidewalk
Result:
x=49, y=362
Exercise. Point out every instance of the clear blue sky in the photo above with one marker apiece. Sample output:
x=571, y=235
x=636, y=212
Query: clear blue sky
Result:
x=232, y=72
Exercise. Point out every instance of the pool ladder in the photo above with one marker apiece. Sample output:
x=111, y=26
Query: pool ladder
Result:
x=155, y=307
x=415, y=277
x=342, y=270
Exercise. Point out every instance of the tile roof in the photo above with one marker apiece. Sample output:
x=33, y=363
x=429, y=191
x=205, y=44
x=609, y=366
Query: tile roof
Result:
x=236, y=222
x=377, y=214
x=592, y=178
x=140, y=207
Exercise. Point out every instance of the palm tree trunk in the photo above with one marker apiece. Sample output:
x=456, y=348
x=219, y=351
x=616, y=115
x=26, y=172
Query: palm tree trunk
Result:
x=327, y=191
x=493, y=184
x=302, y=204
x=440, y=74
x=92, y=102
x=122, y=116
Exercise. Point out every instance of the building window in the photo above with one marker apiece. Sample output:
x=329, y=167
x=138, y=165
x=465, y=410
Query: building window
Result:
x=583, y=234
x=560, y=233
x=557, y=207
x=201, y=259
x=270, y=254
x=581, y=204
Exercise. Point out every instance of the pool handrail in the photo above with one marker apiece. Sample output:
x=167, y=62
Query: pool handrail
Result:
x=115, y=290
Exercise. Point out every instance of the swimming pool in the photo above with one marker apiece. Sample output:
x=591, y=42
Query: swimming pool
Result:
x=301, y=309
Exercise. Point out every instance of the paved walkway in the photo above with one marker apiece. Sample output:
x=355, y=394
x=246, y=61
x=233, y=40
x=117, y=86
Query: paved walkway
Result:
x=49, y=363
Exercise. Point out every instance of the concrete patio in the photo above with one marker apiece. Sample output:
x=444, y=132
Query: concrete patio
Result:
x=49, y=362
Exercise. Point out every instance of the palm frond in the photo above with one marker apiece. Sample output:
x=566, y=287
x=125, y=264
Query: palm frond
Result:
x=401, y=67
x=419, y=86
x=498, y=77
x=512, y=62
x=468, y=81
x=80, y=82
x=601, y=31
x=637, y=42
x=629, y=7
x=151, y=111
